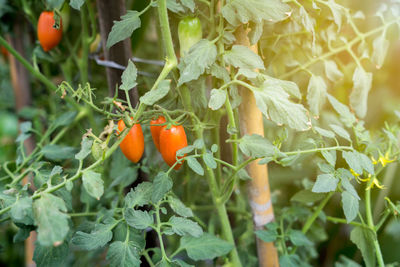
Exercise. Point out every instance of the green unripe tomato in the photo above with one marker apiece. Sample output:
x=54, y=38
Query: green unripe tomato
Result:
x=97, y=150
x=189, y=33
x=8, y=124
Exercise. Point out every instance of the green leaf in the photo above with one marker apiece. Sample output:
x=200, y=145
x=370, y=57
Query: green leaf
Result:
x=214, y=148
x=256, y=146
x=125, y=177
x=129, y=77
x=54, y=4
x=198, y=143
x=364, y=240
x=22, y=212
x=306, y=196
x=189, y=4
x=162, y=184
x=337, y=11
x=179, y=208
x=23, y=233
x=182, y=226
x=325, y=183
x=220, y=73
x=350, y=206
x=217, y=99
x=243, y=57
x=85, y=150
x=380, y=48
x=181, y=263
x=323, y=132
x=345, y=177
x=139, y=196
x=121, y=170
x=76, y=4
x=175, y=7
x=346, y=116
x=93, y=184
x=200, y=57
x=340, y=131
x=209, y=160
x=298, y=238
x=138, y=219
x=256, y=32
x=330, y=156
x=243, y=175
x=346, y=262
x=124, y=28
x=195, y=166
x=362, y=82
x=289, y=260
x=155, y=95
x=123, y=254
x=358, y=162
x=269, y=235
x=187, y=149
x=50, y=256
x=241, y=12
x=316, y=94
x=52, y=222
x=99, y=237
x=273, y=101
x=205, y=247
x=57, y=152
x=332, y=71
x=326, y=168
x=65, y=119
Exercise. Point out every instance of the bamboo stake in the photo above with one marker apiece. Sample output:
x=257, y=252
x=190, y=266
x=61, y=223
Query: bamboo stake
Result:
x=251, y=122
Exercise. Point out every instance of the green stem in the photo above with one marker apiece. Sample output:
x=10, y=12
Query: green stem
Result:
x=371, y=225
x=232, y=125
x=340, y=220
x=314, y=216
x=220, y=206
x=387, y=181
x=171, y=61
x=83, y=66
x=27, y=65
x=148, y=259
x=382, y=220
x=158, y=230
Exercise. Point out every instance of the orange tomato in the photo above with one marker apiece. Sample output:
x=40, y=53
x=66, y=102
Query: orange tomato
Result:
x=48, y=36
x=4, y=51
x=155, y=130
x=171, y=140
x=133, y=144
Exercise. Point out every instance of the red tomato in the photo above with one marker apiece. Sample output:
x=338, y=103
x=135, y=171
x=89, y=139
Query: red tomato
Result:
x=48, y=36
x=171, y=140
x=155, y=130
x=133, y=144
x=4, y=51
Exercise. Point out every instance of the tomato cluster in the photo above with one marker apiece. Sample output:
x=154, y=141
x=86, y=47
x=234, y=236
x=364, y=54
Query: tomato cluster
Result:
x=167, y=140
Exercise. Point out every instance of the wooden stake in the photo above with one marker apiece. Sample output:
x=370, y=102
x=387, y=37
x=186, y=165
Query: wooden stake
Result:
x=251, y=122
x=110, y=11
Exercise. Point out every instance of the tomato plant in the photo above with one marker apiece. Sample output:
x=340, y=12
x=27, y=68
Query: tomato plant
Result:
x=275, y=123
